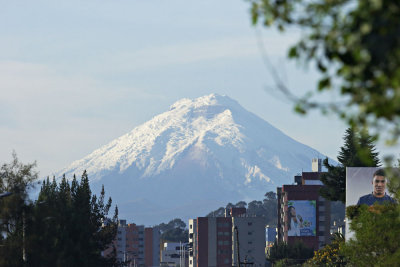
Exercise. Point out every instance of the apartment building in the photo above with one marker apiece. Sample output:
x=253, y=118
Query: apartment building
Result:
x=174, y=254
x=136, y=244
x=223, y=241
x=152, y=246
x=303, y=215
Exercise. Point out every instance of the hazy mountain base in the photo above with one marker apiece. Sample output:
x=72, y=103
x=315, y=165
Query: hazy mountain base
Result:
x=176, y=231
x=267, y=209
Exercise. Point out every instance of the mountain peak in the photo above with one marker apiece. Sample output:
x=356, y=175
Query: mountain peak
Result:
x=204, y=149
x=208, y=100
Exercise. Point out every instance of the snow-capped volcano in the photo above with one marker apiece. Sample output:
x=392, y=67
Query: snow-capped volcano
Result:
x=200, y=154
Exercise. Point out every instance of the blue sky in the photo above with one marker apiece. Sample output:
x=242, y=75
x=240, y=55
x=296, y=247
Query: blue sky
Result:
x=74, y=75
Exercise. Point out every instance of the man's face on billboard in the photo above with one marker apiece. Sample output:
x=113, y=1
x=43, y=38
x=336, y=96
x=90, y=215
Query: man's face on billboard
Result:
x=379, y=184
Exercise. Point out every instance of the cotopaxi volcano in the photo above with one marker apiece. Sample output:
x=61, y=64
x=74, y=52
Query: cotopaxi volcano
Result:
x=191, y=159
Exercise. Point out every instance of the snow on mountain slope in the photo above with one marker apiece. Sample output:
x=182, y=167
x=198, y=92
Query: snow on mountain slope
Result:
x=205, y=150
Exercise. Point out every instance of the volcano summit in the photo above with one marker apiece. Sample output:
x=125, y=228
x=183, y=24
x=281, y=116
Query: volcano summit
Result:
x=191, y=159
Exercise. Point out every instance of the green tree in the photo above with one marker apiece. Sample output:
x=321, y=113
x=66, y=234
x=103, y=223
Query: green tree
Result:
x=270, y=195
x=330, y=254
x=356, y=48
x=174, y=231
x=358, y=150
x=289, y=254
x=266, y=209
x=72, y=224
x=18, y=179
x=394, y=183
x=241, y=204
x=377, y=231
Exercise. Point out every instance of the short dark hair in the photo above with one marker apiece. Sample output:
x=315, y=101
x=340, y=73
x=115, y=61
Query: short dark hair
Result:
x=379, y=172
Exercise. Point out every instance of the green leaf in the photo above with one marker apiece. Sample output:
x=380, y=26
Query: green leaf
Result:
x=293, y=52
x=299, y=109
x=321, y=66
x=324, y=83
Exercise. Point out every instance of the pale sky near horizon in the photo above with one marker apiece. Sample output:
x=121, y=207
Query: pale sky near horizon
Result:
x=75, y=75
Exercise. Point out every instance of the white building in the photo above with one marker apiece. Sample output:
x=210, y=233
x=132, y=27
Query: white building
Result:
x=174, y=255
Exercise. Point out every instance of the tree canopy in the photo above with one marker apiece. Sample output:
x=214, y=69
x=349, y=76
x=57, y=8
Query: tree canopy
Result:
x=358, y=150
x=71, y=223
x=17, y=178
x=66, y=226
x=377, y=231
x=356, y=48
x=266, y=208
x=294, y=254
x=174, y=231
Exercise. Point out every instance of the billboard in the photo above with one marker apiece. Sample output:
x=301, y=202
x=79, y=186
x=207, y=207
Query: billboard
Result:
x=301, y=218
x=360, y=184
x=363, y=188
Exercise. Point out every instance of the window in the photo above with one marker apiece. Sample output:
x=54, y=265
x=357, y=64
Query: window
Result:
x=249, y=223
x=227, y=242
x=250, y=233
x=220, y=242
x=191, y=226
x=220, y=233
x=227, y=233
x=250, y=242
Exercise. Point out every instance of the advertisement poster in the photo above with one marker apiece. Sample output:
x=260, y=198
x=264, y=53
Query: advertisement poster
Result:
x=301, y=218
x=365, y=185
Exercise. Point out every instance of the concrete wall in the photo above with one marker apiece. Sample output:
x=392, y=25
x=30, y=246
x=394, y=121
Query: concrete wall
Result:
x=251, y=240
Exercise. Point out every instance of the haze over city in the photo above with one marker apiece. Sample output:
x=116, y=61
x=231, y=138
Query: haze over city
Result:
x=76, y=75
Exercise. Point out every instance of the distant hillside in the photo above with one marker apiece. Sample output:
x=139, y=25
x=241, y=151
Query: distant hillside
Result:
x=176, y=231
x=267, y=209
